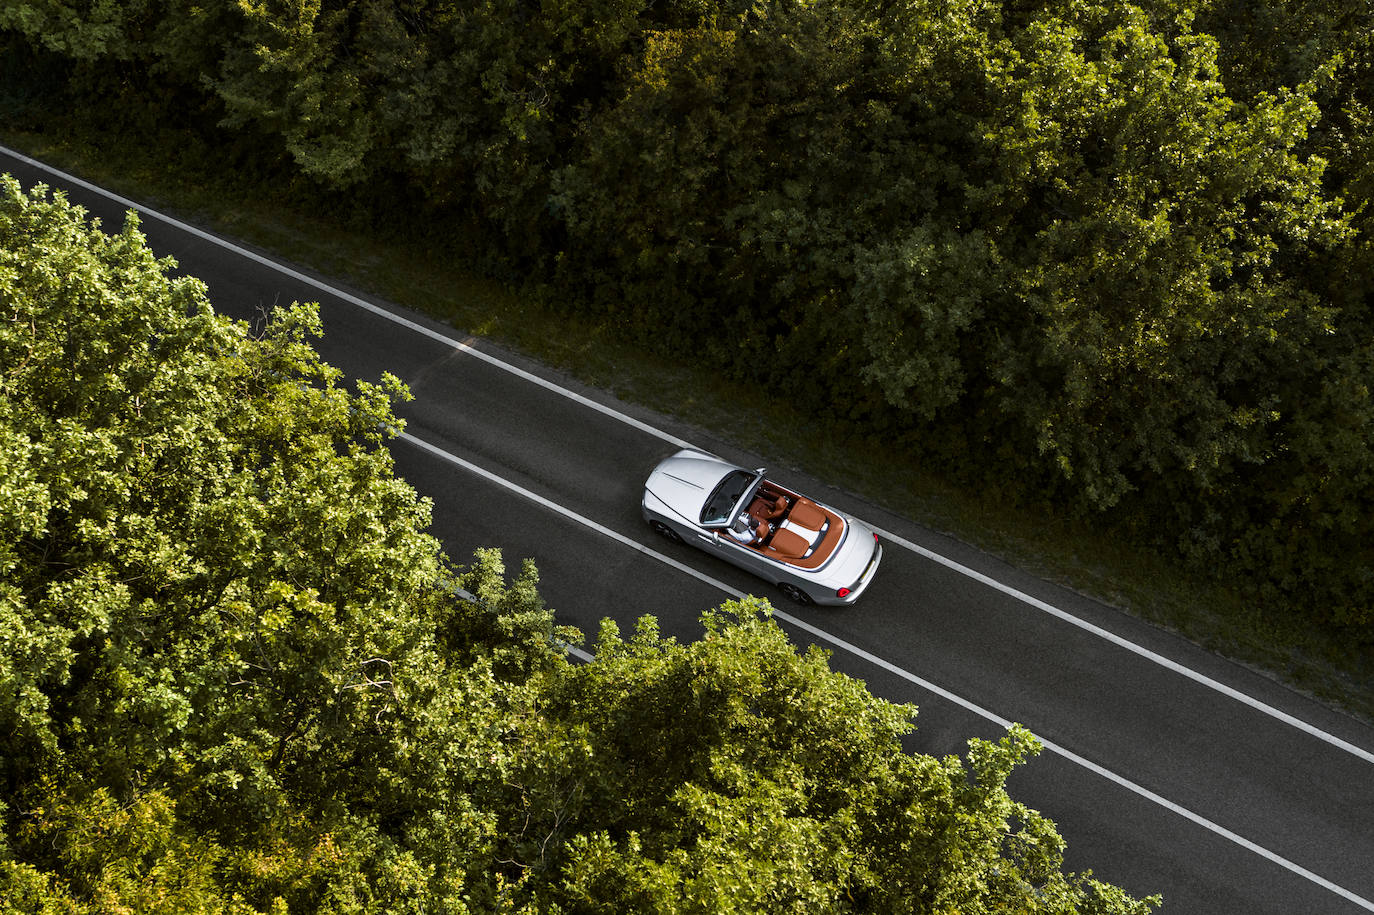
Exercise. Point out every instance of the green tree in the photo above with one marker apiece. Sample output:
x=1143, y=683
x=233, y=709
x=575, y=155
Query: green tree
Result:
x=224, y=617
x=1117, y=252
x=766, y=190
x=734, y=774
x=83, y=31
x=1156, y=226
x=238, y=676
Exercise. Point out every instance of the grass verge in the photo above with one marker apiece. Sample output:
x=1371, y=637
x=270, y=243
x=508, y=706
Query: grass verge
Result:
x=1076, y=555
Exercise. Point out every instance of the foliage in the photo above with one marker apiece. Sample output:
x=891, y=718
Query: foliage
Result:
x=735, y=775
x=1118, y=253
x=222, y=610
x=238, y=676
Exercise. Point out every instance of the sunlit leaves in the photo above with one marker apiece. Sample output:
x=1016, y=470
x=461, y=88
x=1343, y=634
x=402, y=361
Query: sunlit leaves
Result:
x=236, y=675
x=215, y=587
x=734, y=774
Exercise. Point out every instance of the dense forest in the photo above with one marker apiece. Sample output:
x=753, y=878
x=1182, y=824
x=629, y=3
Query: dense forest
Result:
x=237, y=674
x=1109, y=258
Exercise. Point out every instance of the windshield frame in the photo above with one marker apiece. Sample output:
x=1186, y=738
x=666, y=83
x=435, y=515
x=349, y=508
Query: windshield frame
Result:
x=750, y=480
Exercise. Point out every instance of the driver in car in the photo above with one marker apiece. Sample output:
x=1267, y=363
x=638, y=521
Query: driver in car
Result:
x=746, y=529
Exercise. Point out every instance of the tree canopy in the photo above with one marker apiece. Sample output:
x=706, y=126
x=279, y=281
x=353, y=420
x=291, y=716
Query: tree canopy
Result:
x=1119, y=252
x=1114, y=258
x=237, y=675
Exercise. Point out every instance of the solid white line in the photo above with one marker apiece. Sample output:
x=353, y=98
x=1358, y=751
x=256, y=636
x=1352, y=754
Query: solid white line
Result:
x=565, y=512
x=355, y=300
x=1130, y=646
x=583, y=656
x=873, y=659
x=569, y=649
x=1143, y=652
x=846, y=646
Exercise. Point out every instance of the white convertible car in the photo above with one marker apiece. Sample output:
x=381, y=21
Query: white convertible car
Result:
x=810, y=551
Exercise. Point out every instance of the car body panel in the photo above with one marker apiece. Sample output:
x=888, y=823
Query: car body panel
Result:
x=769, y=530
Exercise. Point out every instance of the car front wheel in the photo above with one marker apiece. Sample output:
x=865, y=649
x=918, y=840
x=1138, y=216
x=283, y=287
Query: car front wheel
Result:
x=795, y=594
x=661, y=528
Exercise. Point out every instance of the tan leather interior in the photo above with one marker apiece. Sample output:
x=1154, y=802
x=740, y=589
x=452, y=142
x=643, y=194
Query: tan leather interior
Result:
x=787, y=545
x=771, y=506
x=768, y=506
x=808, y=514
x=833, y=535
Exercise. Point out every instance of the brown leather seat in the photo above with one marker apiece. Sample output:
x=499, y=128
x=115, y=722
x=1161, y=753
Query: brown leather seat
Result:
x=768, y=507
x=808, y=515
x=787, y=545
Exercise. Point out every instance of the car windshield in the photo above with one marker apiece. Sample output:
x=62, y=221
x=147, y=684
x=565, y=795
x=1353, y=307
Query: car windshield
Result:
x=730, y=491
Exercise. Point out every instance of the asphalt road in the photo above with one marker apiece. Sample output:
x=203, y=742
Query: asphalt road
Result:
x=1168, y=770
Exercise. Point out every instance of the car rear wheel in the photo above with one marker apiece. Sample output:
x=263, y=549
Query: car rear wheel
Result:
x=661, y=528
x=796, y=594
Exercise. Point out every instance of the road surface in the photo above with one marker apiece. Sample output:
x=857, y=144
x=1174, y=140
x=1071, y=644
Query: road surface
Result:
x=1167, y=769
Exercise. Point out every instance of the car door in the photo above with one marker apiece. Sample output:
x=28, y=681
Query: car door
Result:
x=723, y=545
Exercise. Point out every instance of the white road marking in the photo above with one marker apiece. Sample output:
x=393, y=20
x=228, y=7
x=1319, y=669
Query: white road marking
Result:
x=644, y=427
x=565, y=512
x=474, y=599
x=1130, y=646
x=611, y=412
x=891, y=668
x=681, y=443
x=354, y=300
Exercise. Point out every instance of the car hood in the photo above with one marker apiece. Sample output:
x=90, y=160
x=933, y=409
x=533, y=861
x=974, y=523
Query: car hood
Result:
x=683, y=481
